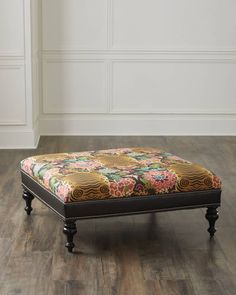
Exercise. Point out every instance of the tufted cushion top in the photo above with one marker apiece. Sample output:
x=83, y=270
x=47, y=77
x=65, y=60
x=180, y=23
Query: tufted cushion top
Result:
x=117, y=173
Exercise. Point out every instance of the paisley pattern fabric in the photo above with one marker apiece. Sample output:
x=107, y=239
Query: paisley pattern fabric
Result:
x=117, y=173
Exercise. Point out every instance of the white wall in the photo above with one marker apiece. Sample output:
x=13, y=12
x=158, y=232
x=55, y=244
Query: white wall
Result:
x=116, y=67
x=17, y=127
x=138, y=67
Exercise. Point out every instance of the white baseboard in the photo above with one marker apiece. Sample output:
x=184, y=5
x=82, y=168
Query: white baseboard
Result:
x=36, y=131
x=20, y=139
x=176, y=125
x=211, y=125
x=17, y=140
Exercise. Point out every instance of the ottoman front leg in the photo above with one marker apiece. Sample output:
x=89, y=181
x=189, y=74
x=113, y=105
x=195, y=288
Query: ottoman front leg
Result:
x=212, y=215
x=70, y=230
x=28, y=197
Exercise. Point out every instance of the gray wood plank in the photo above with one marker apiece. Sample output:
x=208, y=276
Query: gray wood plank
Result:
x=166, y=253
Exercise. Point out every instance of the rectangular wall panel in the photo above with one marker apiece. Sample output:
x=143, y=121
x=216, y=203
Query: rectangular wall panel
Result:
x=174, y=87
x=12, y=95
x=174, y=24
x=11, y=27
x=74, y=24
x=129, y=66
x=74, y=87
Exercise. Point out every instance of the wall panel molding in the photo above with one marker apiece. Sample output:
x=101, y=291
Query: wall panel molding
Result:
x=212, y=86
x=12, y=33
x=116, y=117
x=11, y=55
x=109, y=24
x=17, y=128
x=90, y=16
x=86, y=101
x=168, y=53
x=109, y=68
x=12, y=93
x=164, y=25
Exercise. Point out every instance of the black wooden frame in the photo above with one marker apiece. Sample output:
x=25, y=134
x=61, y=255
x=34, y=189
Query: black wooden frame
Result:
x=71, y=212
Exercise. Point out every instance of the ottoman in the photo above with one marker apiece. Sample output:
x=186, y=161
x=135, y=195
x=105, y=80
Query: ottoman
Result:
x=116, y=182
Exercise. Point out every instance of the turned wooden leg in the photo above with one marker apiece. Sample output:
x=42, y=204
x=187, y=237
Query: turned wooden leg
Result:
x=28, y=197
x=70, y=230
x=212, y=215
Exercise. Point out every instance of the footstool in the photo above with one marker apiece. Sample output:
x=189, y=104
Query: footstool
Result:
x=117, y=182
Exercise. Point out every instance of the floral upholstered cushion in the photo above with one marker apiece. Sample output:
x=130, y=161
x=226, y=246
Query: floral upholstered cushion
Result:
x=117, y=173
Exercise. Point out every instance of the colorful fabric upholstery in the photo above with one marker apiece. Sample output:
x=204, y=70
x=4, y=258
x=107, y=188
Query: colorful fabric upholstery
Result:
x=117, y=173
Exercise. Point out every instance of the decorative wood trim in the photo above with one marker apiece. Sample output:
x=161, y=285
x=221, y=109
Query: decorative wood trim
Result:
x=168, y=54
x=11, y=55
x=11, y=66
x=109, y=85
x=109, y=24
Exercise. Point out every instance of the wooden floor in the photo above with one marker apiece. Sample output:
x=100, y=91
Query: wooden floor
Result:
x=166, y=253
